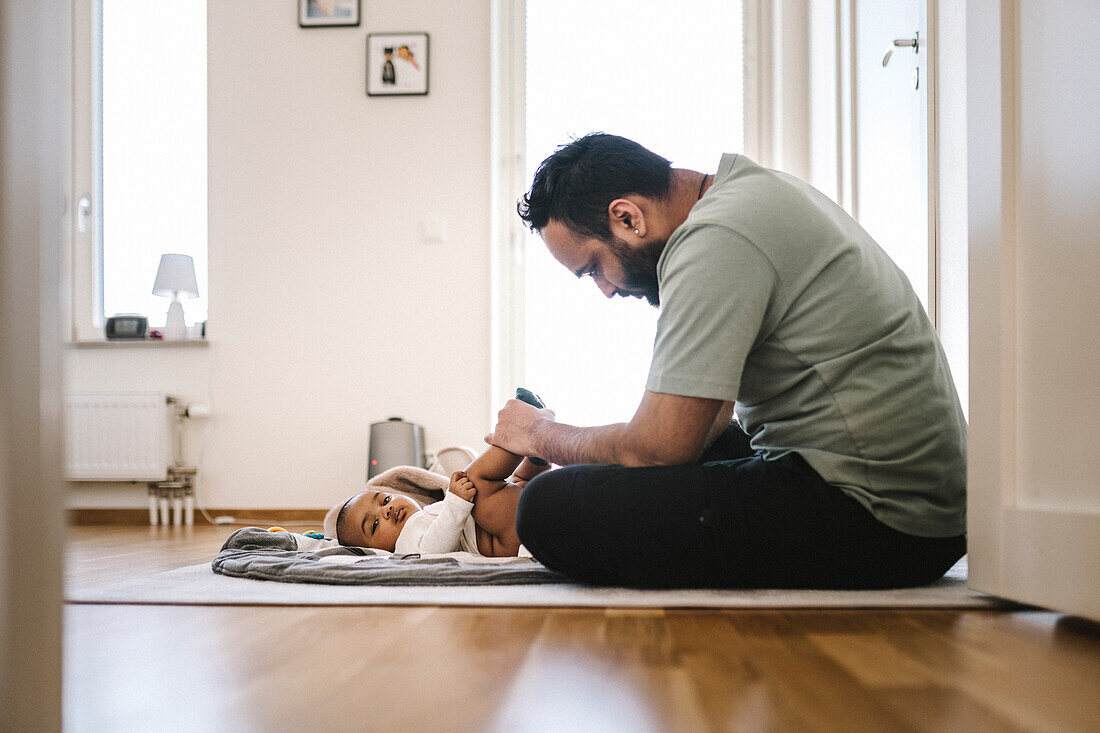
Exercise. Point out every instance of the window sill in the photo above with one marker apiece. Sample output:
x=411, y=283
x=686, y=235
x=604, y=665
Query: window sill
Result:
x=137, y=344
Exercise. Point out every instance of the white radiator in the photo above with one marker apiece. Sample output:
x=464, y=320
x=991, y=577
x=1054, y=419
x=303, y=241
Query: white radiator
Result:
x=117, y=437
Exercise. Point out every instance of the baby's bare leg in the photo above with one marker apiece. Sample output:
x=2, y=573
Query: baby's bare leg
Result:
x=489, y=470
x=495, y=518
x=527, y=471
x=497, y=500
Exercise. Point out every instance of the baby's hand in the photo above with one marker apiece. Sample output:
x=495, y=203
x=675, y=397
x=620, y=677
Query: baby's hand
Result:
x=462, y=485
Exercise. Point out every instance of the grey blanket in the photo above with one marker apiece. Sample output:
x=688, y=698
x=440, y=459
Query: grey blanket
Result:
x=256, y=553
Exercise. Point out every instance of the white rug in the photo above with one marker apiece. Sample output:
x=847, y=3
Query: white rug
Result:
x=199, y=585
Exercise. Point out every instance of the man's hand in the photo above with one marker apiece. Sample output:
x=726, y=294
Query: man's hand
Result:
x=517, y=424
x=666, y=430
x=462, y=485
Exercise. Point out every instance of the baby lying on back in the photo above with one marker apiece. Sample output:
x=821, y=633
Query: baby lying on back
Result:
x=477, y=514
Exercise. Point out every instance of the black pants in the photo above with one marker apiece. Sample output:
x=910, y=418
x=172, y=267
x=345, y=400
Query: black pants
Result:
x=732, y=520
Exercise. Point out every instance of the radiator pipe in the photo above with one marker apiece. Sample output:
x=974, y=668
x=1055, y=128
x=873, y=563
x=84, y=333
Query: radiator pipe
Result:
x=152, y=506
x=177, y=508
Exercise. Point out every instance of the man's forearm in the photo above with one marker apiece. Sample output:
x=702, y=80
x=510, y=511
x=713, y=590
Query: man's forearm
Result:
x=567, y=445
x=607, y=444
x=666, y=430
x=721, y=422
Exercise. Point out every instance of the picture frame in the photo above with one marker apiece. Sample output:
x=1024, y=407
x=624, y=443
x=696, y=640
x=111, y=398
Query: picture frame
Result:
x=329, y=13
x=397, y=64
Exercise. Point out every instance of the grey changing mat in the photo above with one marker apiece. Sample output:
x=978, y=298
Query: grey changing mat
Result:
x=288, y=557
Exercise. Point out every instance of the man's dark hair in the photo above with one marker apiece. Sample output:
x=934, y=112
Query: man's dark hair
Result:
x=576, y=184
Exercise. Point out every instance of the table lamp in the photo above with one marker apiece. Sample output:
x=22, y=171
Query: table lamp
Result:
x=176, y=279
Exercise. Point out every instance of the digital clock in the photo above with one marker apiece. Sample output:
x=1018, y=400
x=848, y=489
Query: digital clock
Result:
x=126, y=326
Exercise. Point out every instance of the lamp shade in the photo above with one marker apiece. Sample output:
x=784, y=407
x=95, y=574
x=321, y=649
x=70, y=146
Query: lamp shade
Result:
x=176, y=274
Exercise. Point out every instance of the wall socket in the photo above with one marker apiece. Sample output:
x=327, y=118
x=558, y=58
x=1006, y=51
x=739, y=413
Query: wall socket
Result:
x=433, y=230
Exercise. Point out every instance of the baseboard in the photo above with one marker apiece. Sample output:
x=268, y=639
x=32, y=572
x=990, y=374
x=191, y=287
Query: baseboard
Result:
x=82, y=517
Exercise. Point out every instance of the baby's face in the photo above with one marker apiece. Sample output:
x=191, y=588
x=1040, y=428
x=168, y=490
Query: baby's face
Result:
x=375, y=519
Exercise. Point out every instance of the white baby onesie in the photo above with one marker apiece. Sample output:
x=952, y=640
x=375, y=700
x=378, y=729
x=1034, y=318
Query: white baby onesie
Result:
x=445, y=526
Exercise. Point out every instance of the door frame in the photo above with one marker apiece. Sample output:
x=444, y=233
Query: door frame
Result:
x=34, y=38
x=1030, y=554
x=847, y=112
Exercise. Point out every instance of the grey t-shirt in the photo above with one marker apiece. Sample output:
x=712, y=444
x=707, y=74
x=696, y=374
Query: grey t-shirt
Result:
x=771, y=295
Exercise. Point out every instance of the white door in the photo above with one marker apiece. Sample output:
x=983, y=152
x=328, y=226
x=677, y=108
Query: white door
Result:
x=1033, y=169
x=889, y=113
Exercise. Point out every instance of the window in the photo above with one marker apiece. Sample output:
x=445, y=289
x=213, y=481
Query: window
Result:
x=139, y=155
x=668, y=75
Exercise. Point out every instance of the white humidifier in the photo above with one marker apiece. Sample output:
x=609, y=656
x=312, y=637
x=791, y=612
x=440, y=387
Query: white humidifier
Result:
x=394, y=442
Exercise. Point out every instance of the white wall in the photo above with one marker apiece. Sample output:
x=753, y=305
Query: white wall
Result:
x=328, y=311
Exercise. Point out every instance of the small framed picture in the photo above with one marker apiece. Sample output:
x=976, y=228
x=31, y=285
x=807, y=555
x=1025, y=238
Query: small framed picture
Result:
x=328, y=13
x=397, y=63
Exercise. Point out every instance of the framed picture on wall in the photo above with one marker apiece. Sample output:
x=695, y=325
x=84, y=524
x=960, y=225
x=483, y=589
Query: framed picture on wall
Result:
x=328, y=13
x=397, y=64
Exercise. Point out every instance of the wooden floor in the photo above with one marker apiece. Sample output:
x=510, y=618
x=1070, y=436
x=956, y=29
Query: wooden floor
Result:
x=267, y=668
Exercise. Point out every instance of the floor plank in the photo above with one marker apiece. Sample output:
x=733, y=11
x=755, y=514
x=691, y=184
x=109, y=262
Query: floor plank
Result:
x=132, y=667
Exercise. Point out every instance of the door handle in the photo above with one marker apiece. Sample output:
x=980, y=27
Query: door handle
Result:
x=913, y=43
x=83, y=209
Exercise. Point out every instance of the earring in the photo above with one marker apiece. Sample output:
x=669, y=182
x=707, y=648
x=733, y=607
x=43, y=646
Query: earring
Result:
x=635, y=231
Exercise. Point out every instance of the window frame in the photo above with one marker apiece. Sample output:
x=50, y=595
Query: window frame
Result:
x=508, y=149
x=87, y=257
x=84, y=264
x=508, y=119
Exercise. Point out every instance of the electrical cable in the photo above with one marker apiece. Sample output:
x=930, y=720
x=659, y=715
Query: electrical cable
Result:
x=226, y=519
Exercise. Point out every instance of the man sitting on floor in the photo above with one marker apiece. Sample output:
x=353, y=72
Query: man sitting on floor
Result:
x=846, y=466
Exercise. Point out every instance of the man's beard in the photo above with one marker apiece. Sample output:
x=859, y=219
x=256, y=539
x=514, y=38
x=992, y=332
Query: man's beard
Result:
x=639, y=268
